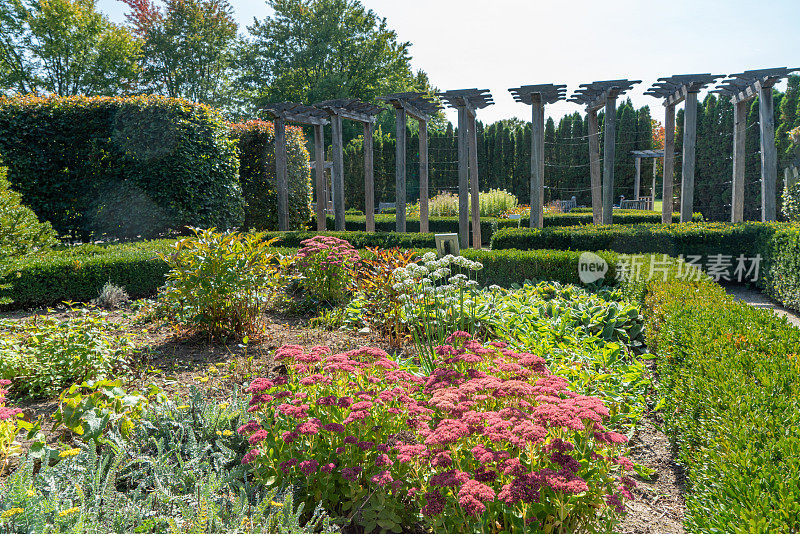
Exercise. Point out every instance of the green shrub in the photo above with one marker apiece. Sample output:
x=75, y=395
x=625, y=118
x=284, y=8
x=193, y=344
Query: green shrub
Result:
x=221, y=282
x=256, y=141
x=326, y=266
x=672, y=239
x=730, y=375
x=42, y=355
x=781, y=274
x=360, y=240
x=791, y=202
x=88, y=165
x=20, y=230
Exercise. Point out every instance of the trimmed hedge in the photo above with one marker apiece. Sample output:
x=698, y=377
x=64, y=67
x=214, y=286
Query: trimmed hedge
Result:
x=730, y=375
x=672, y=239
x=256, y=140
x=781, y=275
x=121, y=166
x=360, y=239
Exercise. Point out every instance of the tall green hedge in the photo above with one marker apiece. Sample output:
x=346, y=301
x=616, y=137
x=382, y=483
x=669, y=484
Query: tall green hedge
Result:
x=121, y=166
x=781, y=276
x=256, y=141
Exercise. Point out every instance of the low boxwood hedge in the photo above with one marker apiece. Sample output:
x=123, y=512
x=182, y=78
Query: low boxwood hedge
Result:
x=672, y=239
x=730, y=375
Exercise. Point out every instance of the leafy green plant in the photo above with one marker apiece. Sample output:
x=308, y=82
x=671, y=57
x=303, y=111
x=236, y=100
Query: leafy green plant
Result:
x=41, y=355
x=93, y=408
x=20, y=230
x=221, y=282
x=8, y=429
x=325, y=264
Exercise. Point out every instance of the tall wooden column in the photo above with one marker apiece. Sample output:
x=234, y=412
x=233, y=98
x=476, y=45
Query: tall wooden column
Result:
x=282, y=185
x=369, y=179
x=609, y=149
x=473, y=181
x=638, y=179
x=319, y=171
x=537, y=162
x=400, y=170
x=423, y=177
x=653, y=189
x=739, y=138
x=594, y=167
x=463, y=177
x=669, y=164
x=689, y=147
x=337, y=173
x=769, y=154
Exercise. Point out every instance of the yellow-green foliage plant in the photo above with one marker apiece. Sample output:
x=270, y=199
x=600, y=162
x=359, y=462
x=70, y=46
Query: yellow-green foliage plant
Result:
x=221, y=282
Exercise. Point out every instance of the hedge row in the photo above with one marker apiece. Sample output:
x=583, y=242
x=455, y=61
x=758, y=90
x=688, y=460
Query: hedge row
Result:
x=77, y=274
x=730, y=375
x=781, y=278
x=672, y=239
x=121, y=166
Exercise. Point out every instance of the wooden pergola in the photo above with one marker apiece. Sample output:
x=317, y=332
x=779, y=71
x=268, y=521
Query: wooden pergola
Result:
x=468, y=102
x=638, y=155
x=741, y=89
x=596, y=96
x=674, y=90
x=366, y=114
x=282, y=113
x=421, y=107
x=537, y=96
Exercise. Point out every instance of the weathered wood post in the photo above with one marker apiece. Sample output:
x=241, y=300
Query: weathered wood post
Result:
x=769, y=154
x=674, y=90
x=537, y=96
x=282, y=113
x=609, y=152
x=741, y=89
x=421, y=107
x=463, y=177
x=594, y=168
x=467, y=102
x=282, y=186
x=689, y=151
x=400, y=170
x=596, y=96
x=473, y=181
x=423, y=176
x=667, y=189
x=739, y=139
x=319, y=170
x=638, y=179
x=369, y=179
x=354, y=110
x=653, y=189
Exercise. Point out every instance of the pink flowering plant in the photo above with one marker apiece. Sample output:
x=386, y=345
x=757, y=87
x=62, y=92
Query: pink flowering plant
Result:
x=8, y=428
x=325, y=263
x=489, y=441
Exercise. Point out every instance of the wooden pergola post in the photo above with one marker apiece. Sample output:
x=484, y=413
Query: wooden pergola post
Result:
x=638, y=155
x=400, y=170
x=354, y=110
x=667, y=188
x=596, y=96
x=421, y=107
x=282, y=113
x=769, y=154
x=638, y=178
x=537, y=96
x=594, y=167
x=739, y=138
x=689, y=151
x=467, y=102
x=674, y=90
x=653, y=189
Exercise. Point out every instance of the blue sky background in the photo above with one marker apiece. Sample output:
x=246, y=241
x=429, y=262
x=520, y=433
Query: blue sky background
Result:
x=497, y=44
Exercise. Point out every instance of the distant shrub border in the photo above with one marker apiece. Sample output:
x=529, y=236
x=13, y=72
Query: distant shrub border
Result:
x=256, y=142
x=121, y=166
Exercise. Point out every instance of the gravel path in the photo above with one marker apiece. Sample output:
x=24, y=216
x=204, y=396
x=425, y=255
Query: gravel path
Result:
x=757, y=299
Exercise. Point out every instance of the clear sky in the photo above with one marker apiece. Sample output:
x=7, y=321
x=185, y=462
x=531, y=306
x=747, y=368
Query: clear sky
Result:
x=497, y=44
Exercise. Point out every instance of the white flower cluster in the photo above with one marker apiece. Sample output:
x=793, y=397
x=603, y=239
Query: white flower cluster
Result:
x=433, y=278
